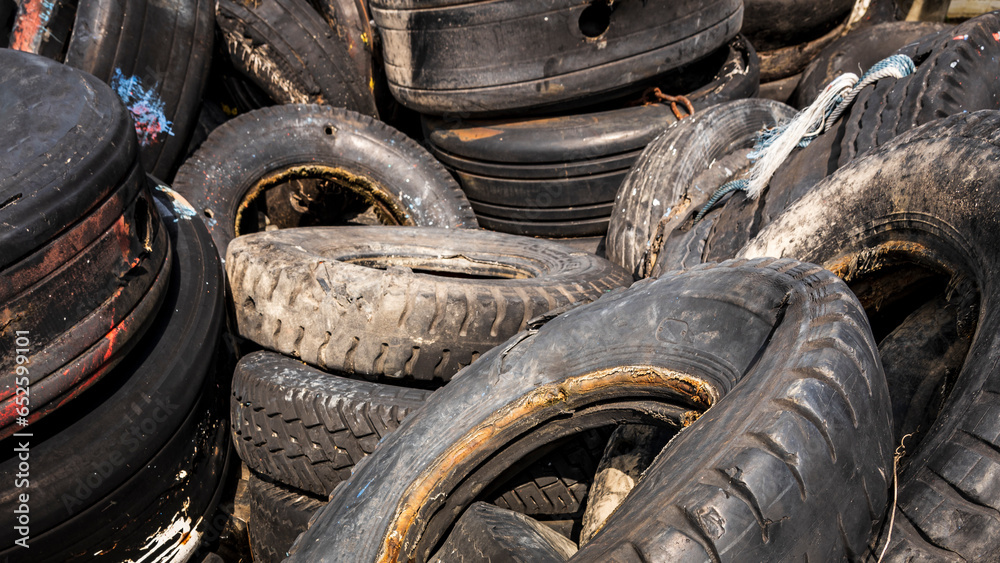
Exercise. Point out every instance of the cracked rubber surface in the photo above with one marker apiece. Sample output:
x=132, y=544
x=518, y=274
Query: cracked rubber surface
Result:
x=402, y=302
x=799, y=437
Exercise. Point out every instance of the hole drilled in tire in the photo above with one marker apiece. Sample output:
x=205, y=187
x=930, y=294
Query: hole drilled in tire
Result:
x=595, y=19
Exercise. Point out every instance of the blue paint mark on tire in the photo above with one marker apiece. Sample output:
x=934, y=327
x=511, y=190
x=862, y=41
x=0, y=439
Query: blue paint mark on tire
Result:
x=146, y=107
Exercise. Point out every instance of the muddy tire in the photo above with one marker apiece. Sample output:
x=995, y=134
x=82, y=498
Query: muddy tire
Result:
x=925, y=198
x=306, y=428
x=677, y=173
x=801, y=442
x=363, y=160
x=356, y=300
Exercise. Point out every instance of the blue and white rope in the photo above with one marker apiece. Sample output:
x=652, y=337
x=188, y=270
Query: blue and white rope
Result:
x=774, y=144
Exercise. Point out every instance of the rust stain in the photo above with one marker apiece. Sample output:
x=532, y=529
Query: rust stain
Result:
x=851, y=266
x=420, y=492
x=472, y=133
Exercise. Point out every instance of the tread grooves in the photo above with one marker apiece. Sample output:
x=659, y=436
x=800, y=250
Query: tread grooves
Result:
x=703, y=538
x=770, y=446
x=812, y=418
x=806, y=372
x=923, y=535
x=958, y=496
x=740, y=490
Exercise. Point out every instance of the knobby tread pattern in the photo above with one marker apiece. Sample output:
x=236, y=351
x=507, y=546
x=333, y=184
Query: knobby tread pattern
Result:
x=278, y=514
x=394, y=323
x=305, y=428
x=831, y=450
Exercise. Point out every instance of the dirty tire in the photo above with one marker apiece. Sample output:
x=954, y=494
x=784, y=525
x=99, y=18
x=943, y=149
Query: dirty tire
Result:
x=678, y=172
x=855, y=52
x=538, y=56
x=80, y=150
x=287, y=49
x=148, y=425
x=155, y=55
x=926, y=197
x=955, y=74
x=278, y=515
x=306, y=428
x=780, y=348
x=489, y=533
x=250, y=152
x=354, y=300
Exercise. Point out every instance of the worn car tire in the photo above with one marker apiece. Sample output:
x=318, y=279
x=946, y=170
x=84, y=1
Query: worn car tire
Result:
x=253, y=152
x=291, y=53
x=392, y=301
x=676, y=174
x=306, y=428
x=926, y=198
x=798, y=438
x=278, y=515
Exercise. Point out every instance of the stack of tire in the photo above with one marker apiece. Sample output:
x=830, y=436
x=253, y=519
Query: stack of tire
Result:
x=564, y=117
x=112, y=304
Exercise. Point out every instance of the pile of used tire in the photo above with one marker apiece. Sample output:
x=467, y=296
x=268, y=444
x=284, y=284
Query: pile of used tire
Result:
x=453, y=281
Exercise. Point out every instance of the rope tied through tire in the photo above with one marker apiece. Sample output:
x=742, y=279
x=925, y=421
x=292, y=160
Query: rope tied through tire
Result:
x=775, y=144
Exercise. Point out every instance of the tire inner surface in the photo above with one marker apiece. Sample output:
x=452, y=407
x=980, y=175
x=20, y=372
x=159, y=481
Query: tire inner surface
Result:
x=310, y=195
x=893, y=281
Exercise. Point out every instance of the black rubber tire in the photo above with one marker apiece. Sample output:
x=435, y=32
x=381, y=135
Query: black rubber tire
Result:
x=543, y=214
x=115, y=286
x=929, y=196
x=855, y=52
x=79, y=150
x=367, y=312
x=593, y=189
x=567, y=140
x=488, y=533
x=780, y=90
x=595, y=226
x=557, y=484
x=922, y=358
x=155, y=55
x=779, y=23
x=306, y=428
x=514, y=56
x=676, y=175
x=152, y=444
x=245, y=155
x=291, y=53
x=879, y=113
x=801, y=423
x=278, y=515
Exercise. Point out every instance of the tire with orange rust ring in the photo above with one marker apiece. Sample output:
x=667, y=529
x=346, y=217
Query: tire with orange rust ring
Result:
x=155, y=55
x=156, y=444
x=797, y=437
x=930, y=199
x=358, y=169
